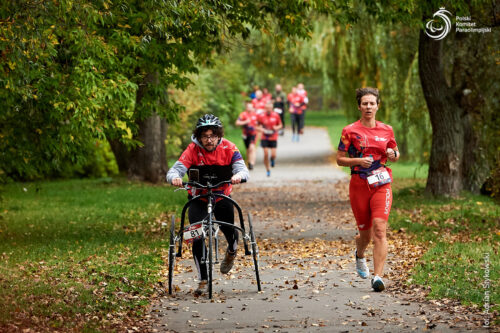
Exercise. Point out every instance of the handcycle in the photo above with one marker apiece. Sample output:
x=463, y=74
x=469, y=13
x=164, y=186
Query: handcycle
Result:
x=208, y=231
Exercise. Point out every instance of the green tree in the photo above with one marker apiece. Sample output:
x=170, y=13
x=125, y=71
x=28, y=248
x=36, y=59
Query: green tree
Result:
x=385, y=45
x=74, y=70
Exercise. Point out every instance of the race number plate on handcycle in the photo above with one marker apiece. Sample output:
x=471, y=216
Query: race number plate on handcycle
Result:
x=193, y=232
x=379, y=177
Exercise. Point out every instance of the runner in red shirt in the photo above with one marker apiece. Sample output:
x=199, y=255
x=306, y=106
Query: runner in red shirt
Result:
x=365, y=146
x=266, y=95
x=248, y=122
x=259, y=102
x=296, y=102
x=269, y=125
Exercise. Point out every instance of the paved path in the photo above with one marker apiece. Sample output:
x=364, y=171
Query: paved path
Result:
x=305, y=232
x=309, y=159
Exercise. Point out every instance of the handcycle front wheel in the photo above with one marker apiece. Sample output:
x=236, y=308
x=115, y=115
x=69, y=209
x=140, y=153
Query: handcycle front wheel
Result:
x=171, y=255
x=255, y=252
x=210, y=260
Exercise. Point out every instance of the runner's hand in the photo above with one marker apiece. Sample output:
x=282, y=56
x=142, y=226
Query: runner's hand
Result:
x=391, y=155
x=366, y=162
x=177, y=182
x=236, y=179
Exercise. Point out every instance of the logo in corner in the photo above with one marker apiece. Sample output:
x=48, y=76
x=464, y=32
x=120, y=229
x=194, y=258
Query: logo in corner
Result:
x=439, y=32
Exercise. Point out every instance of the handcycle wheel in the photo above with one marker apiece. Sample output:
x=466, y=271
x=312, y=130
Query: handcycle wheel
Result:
x=210, y=260
x=255, y=252
x=171, y=255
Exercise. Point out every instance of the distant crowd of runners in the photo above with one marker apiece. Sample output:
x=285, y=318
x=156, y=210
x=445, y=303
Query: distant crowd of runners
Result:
x=264, y=120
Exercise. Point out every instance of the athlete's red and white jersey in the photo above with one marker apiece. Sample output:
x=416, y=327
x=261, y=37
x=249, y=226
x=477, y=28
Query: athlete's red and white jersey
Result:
x=296, y=103
x=224, y=158
x=360, y=141
x=259, y=104
x=251, y=127
x=305, y=99
x=268, y=121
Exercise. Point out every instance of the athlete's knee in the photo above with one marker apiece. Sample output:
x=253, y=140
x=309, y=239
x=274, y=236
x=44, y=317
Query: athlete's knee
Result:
x=379, y=229
x=364, y=236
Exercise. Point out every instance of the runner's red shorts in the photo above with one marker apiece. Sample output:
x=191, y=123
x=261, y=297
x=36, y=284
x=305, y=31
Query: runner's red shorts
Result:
x=369, y=203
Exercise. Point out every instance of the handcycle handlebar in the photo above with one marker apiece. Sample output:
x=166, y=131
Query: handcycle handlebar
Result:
x=209, y=187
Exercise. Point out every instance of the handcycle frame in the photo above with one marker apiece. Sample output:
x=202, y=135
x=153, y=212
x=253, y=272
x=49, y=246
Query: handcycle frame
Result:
x=211, y=226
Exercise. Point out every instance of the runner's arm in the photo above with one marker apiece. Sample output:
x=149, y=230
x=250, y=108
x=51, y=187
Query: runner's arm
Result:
x=240, y=171
x=344, y=160
x=278, y=127
x=176, y=172
x=242, y=122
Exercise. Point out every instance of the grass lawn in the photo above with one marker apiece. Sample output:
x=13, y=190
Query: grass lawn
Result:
x=82, y=254
x=462, y=237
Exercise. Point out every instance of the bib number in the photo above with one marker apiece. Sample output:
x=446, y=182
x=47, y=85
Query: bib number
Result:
x=193, y=232
x=379, y=177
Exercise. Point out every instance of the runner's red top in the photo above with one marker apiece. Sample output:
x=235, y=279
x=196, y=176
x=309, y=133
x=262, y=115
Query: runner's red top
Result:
x=296, y=103
x=225, y=154
x=259, y=104
x=360, y=141
x=268, y=121
x=250, y=128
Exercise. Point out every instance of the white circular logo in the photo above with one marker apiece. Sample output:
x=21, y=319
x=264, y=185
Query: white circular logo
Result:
x=441, y=31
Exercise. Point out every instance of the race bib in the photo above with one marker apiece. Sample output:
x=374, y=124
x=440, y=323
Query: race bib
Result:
x=193, y=232
x=268, y=132
x=379, y=177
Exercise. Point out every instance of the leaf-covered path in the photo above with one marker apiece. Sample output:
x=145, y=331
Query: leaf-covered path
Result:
x=305, y=232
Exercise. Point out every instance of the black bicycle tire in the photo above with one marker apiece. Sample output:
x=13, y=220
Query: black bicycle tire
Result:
x=210, y=260
x=171, y=255
x=255, y=252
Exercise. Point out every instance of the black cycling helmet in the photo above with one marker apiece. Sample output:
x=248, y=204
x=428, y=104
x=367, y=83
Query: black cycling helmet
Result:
x=209, y=120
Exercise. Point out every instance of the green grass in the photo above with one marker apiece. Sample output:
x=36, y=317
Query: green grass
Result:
x=459, y=233
x=334, y=121
x=233, y=134
x=80, y=249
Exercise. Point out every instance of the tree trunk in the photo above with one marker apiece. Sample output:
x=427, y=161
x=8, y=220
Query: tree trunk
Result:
x=445, y=166
x=469, y=70
x=149, y=162
x=122, y=155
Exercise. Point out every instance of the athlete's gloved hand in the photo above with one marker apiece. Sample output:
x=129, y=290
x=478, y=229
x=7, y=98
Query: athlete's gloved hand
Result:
x=177, y=182
x=236, y=179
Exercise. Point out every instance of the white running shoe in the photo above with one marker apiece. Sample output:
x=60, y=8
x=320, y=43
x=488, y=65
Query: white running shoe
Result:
x=361, y=267
x=377, y=283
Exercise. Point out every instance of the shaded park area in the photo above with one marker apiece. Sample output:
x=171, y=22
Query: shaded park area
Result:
x=100, y=98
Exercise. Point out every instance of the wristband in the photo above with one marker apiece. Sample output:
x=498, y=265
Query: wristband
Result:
x=395, y=154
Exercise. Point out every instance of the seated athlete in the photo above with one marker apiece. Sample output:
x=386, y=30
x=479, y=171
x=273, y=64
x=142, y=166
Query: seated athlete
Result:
x=211, y=154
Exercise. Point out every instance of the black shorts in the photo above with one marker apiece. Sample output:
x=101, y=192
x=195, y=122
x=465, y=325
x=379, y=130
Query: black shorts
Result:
x=268, y=143
x=249, y=139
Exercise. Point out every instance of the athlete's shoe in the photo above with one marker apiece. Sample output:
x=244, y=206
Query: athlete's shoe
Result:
x=361, y=267
x=293, y=137
x=377, y=283
x=268, y=173
x=272, y=162
x=202, y=287
x=228, y=262
x=250, y=166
